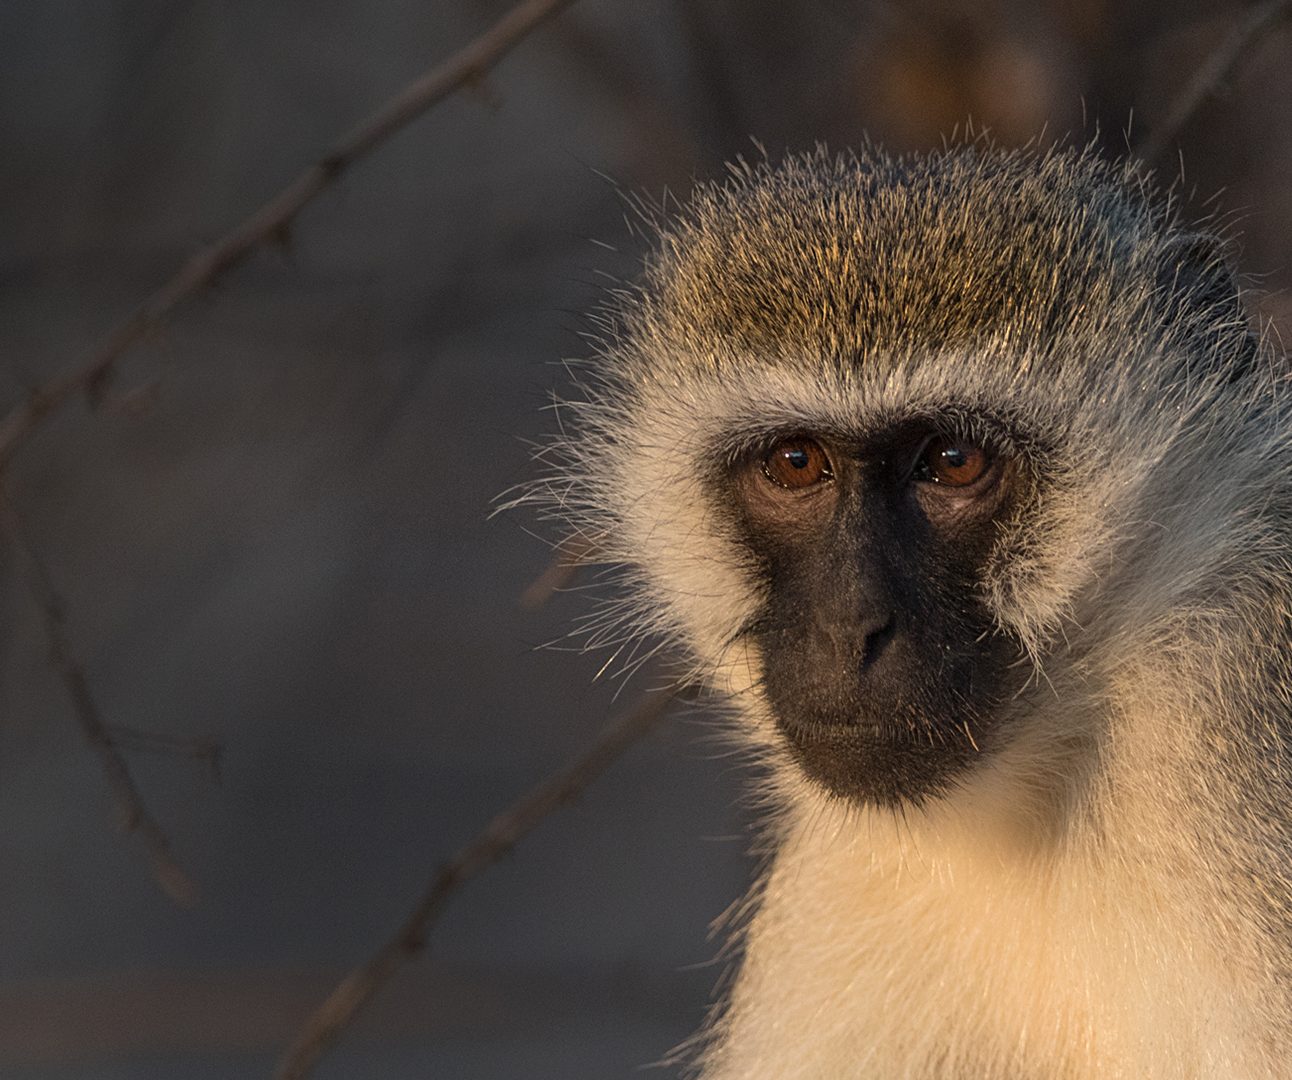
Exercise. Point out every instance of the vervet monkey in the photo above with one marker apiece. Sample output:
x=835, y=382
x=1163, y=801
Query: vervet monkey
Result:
x=965, y=482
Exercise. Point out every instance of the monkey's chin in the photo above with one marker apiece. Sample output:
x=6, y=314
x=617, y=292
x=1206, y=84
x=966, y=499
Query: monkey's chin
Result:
x=877, y=769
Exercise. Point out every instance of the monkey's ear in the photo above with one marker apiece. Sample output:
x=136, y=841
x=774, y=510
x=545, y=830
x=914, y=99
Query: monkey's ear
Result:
x=1197, y=291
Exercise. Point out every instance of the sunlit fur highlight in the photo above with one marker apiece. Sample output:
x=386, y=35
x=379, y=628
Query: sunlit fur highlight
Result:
x=1107, y=894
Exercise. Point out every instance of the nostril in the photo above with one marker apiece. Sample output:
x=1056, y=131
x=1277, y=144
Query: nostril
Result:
x=877, y=640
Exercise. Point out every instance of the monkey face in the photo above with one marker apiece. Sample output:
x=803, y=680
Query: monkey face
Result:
x=881, y=662
x=870, y=431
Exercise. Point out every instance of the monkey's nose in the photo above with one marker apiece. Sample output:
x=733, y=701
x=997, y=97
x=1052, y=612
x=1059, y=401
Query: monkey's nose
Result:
x=877, y=639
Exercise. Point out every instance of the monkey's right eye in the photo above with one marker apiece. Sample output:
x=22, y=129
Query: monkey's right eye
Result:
x=797, y=463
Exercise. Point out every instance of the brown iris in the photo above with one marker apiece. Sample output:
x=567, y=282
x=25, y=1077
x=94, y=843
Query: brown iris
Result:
x=797, y=462
x=953, y=463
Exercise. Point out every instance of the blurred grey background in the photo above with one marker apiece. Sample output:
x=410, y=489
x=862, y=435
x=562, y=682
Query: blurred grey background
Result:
x=273, y=532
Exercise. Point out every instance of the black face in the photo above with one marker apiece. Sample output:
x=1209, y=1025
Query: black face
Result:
x=880, y=659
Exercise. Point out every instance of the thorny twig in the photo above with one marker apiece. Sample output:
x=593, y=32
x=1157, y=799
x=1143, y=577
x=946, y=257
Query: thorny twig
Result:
x=1212, y=74
x=325, y=1026
x=135, y=816
x=272, y=222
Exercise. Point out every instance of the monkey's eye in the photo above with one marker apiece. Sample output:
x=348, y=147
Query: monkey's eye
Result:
x=954, y=463
x=797, y=462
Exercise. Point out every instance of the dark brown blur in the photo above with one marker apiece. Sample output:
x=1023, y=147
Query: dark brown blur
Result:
x=272, y=533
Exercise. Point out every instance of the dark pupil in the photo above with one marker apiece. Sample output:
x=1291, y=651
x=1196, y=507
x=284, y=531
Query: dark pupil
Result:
x=956, y=459
x=797, y=458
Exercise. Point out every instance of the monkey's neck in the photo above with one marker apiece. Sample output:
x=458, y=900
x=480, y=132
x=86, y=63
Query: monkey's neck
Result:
x=980, y=937
x=890, y=952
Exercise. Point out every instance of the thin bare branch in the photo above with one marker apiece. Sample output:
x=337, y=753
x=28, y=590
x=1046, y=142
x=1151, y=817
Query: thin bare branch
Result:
x=134, y=814
x=569, y=556
x=206, y=752
x=272, y=222
x=1212, y=74
x=355, y=991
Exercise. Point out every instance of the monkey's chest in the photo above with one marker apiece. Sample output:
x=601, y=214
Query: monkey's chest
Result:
x=938, y=969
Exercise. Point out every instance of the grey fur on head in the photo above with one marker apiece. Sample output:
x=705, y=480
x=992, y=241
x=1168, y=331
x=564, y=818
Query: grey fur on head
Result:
x=1107, y=893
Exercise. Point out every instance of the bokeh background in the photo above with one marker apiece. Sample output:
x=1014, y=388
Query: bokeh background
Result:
x=273, y=533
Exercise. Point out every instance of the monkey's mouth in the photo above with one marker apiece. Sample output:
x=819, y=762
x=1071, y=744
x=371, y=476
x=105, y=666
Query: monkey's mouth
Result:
x=880, y=767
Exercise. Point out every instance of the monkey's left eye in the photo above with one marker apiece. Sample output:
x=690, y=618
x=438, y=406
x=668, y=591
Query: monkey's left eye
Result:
x=954, y=463
x=796, y=463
